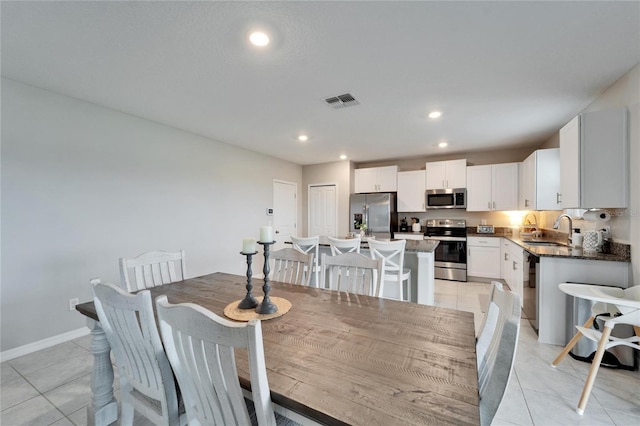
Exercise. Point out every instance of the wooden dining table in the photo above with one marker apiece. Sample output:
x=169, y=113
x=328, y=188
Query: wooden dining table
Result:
x=337, y=358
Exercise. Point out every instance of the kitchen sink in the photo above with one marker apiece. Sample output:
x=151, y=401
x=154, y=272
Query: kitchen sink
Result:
x=544, y=243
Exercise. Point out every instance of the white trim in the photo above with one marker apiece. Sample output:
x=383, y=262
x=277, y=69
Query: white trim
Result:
x=43, y=344
x=337, y=199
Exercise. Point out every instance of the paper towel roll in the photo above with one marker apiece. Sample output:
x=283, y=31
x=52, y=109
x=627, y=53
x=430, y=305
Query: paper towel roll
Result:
x=597, y=215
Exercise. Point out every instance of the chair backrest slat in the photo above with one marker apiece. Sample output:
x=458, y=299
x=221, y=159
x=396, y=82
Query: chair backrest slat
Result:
x=200, y=346
x=353, y=273
x=152, y=269
x=289, y=266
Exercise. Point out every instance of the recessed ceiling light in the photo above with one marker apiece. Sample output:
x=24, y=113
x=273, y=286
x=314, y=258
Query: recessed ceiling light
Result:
x=303, y=138
x=343, y=157
x=435, y=114
x=443, y=144
x=258, y=38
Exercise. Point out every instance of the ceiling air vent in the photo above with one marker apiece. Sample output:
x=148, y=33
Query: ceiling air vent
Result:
x=341, y=101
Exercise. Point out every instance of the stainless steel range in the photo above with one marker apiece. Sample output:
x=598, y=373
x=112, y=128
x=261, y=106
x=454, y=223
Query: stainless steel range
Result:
x=451, y=253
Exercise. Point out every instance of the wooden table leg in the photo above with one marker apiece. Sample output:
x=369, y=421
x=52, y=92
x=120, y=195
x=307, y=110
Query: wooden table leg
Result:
x=571, y=343
x=595, y=364
x=103, y=409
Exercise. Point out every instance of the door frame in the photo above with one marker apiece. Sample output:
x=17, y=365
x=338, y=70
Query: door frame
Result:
x=337, y=199
x=273, y=200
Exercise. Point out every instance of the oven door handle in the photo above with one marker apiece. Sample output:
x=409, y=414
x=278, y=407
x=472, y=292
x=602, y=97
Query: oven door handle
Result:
x=446, y=238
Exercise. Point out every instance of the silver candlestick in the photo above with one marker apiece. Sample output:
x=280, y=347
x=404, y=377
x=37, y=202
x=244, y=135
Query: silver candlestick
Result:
x=266, y=306
x=249, y=301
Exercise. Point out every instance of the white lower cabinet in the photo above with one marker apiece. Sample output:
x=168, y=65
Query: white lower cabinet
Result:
x=514, y=267
x=483, y=257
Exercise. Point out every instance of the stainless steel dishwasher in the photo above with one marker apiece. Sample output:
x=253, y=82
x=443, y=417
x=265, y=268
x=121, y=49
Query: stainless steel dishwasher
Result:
x=530, y=292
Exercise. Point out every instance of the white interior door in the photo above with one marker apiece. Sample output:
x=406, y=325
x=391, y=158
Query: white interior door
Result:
x=285, y=212
x=323, y=210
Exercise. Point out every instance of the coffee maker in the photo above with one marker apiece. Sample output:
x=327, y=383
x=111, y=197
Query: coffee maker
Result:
x=404, y=227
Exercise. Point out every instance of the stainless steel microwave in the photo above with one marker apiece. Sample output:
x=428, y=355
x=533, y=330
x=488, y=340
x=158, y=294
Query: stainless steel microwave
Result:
x=455, y=198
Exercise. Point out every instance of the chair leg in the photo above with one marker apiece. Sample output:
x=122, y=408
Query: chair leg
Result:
x=571, y=343
x=595, y=364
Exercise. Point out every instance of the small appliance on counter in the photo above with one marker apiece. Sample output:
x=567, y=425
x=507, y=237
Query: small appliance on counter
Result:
x=415, y=227
x=404, y=226
x=485, y=229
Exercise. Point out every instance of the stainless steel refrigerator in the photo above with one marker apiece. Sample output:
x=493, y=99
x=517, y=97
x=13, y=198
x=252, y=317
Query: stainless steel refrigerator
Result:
x=378, y=211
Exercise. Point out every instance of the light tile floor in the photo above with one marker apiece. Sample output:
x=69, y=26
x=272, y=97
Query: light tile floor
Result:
x=51, y=386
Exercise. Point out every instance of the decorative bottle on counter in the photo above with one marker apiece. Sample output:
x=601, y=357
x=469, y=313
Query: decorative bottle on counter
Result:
x=576, y=238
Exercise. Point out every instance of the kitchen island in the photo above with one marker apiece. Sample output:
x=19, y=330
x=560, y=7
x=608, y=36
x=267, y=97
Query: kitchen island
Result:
x=419, y=257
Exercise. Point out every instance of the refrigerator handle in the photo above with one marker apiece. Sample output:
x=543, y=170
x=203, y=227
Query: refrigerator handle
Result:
x=365, y=214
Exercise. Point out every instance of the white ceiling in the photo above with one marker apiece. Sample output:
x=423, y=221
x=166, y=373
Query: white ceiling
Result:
x=505, y=74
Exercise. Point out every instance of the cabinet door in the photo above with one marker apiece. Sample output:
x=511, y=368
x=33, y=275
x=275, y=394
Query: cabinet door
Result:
x=504, y=190
x=456, y=174
x=436, y=175
x=547, y=180
x=387, y=179
x=518, y=270
x=479, y=188
x=411, y=195
x=604, y=159
x=483, y=261
x=570, y=160
x=527, y=198
x=365, y=180
x=504, y=259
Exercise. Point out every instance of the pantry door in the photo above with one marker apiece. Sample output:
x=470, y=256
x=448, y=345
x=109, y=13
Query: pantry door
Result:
x=323, y=210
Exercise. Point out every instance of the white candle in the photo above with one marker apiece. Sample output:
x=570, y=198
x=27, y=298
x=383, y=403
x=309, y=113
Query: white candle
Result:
x=266, y=234
x=248, y=245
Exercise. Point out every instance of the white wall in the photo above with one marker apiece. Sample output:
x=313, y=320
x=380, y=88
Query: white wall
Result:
x=83, y=185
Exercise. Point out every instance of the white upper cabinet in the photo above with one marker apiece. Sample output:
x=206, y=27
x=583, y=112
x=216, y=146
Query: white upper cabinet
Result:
x=376, y=179
x=446, y=174
x=411, y=188
x=540, y=181
x=594, y=157
x=492, y=187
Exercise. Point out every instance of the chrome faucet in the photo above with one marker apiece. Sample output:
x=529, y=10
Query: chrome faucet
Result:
x=534, y=224
x=556, y=225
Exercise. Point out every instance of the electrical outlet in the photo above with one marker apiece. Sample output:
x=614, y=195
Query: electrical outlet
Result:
x=72, y=303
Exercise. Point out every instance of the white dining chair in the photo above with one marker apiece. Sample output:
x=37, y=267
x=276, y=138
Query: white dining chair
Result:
x=344, y=245
x=353, y=273
x=393, y=254
x=200, y=346
x=496, y=351
x=290, y=266
x=485, y=332
x=615, y=306
x=309, y=245
x=146, y=380
x=152, y=269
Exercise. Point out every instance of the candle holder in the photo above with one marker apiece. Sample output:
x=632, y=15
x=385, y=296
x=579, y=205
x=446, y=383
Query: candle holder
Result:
x=266, y=306
x=249, y=301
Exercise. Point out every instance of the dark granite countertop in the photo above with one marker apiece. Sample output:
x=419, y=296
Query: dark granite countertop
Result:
x=554, y=251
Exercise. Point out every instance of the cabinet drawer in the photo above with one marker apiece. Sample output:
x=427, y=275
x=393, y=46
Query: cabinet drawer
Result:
x=416, y=237
x=483, y=241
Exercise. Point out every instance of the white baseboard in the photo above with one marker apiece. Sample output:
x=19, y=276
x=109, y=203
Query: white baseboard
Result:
x=43, y=344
